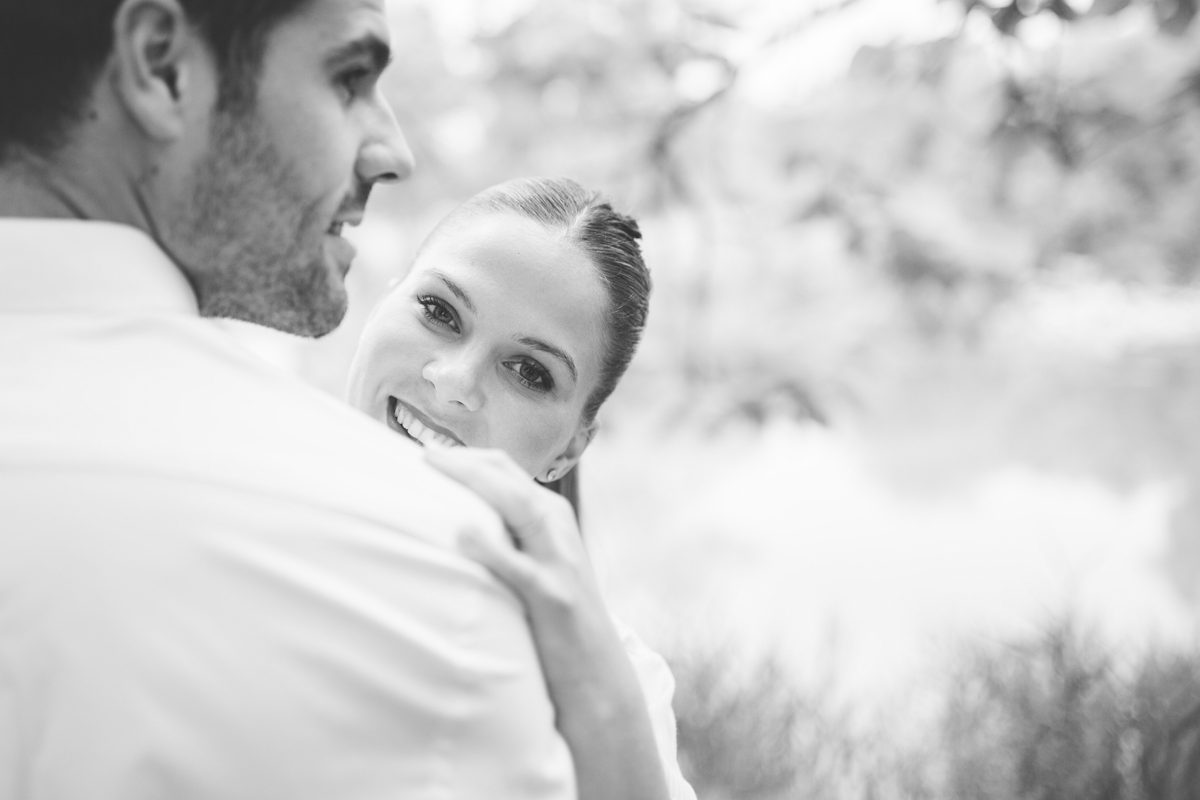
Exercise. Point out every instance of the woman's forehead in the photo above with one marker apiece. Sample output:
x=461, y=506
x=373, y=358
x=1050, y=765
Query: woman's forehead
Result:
x=519, y=274
x=508, y=255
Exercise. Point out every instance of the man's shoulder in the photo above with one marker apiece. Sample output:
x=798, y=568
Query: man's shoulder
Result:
x=249, y=563
x=179, y=399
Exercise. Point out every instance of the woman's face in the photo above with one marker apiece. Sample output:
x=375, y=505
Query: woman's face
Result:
x=493, y=339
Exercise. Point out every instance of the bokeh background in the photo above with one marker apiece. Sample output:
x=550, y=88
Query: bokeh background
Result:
x=905, y=481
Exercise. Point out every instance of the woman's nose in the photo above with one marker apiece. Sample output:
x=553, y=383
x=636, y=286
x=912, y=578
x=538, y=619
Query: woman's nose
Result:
x=455, y=380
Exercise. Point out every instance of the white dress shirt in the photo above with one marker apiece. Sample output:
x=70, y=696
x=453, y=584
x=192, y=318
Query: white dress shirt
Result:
x=216, y=582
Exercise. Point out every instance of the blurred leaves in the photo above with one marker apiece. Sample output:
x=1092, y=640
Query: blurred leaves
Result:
x=721, y=711
x=967, y=233
x=1089, y=152
x=804, y=237
x=1173, y=16
x=1060, y=716
x=962, y=236
x=1057, y=716
x=748, y=731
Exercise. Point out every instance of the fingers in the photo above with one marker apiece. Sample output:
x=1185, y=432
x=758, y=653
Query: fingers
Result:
x=548, y=567
x=491, y=475
x=512, y=567
x=537, y=518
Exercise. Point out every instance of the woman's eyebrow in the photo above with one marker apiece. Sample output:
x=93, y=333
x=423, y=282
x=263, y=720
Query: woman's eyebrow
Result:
x=528, y=341
x=549, y=349
x=456, y=290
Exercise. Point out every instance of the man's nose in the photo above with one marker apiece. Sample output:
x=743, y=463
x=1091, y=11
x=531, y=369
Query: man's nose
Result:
x=385, y=155
x=455, y=380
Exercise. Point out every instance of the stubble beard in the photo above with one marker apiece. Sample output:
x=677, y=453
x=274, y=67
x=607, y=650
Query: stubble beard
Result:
x=255, y=241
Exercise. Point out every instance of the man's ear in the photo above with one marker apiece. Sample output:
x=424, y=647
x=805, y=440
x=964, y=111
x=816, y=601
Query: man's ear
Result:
x=568, y=458
x=154, y=47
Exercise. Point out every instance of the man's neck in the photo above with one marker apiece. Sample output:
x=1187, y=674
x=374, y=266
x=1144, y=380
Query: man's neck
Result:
x=28, y=188
x=33, y=186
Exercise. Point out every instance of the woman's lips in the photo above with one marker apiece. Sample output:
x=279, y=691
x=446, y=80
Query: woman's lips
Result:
x=417, y=426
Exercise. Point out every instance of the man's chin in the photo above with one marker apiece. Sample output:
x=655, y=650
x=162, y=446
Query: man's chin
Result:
x=317, y=308
x=321, y=316
x=318, y=322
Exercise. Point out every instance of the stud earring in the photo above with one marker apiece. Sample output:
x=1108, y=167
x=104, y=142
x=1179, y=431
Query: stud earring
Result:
x=552, y=476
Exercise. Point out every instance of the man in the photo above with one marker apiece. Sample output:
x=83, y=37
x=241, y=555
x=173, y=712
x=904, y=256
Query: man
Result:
x=214, y=581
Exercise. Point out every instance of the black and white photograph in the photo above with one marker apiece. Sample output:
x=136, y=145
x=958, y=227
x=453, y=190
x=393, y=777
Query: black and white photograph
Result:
x=599, y=400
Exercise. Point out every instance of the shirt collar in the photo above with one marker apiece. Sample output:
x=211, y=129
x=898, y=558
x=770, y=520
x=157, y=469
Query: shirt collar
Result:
x=52, y=265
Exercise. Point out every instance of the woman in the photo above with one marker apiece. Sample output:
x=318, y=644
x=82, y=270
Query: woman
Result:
x=520, y=314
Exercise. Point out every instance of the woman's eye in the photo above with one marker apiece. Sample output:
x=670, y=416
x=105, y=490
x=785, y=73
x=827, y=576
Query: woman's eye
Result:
x=437, y=312
x=532, y=375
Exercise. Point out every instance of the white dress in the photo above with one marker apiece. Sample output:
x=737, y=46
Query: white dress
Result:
x=658, y=685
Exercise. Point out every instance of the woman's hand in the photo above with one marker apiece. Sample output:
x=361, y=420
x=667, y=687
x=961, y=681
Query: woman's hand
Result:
x=545, y=563
x=600, y=708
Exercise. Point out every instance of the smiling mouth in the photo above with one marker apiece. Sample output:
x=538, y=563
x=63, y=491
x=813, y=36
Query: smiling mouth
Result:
x=404, y=420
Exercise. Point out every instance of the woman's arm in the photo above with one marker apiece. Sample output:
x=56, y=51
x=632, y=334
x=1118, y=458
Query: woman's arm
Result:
x=601, y=711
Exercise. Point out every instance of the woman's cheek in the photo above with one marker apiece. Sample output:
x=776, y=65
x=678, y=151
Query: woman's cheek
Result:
x=547, y=435
x=407, y=335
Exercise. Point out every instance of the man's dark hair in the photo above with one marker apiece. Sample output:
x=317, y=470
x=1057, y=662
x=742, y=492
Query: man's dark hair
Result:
x=51, y=52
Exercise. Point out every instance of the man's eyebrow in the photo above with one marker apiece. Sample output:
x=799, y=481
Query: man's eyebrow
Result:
x=457, y=290
x=549, y=349
x=377, y=51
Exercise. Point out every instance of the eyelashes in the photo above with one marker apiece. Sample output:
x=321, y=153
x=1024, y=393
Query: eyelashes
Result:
x=531, y=374
x=527, y=372
x=356, y=81
x=438, y=312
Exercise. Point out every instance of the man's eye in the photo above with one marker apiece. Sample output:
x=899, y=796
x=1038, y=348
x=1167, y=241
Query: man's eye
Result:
x=437, y=312
x=532, y=375
x=354, y=81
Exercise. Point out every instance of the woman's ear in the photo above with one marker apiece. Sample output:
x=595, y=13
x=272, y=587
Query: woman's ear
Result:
x=156, y=50
x=568, y=458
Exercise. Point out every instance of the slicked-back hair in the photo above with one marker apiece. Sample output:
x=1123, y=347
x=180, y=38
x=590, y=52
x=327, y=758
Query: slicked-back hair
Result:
x=610, y=241
x=51, y=52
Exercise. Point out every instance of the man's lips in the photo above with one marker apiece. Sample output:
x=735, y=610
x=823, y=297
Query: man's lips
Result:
x=349, y=215
x=407, y=420
x=341, y=251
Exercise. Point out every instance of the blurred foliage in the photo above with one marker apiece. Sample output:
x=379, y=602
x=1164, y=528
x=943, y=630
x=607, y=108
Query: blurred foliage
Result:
x=1059, y=717
x=961, y=241
x=1056, y=717
x=1172, y=16
x=720, y=710
x=747, y=731
x=798, y=234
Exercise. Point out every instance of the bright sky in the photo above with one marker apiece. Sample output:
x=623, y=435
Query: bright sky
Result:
x=824, y=52
x=809, y=61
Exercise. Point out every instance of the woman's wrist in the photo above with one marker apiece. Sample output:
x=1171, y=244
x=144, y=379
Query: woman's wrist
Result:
x=613, y=728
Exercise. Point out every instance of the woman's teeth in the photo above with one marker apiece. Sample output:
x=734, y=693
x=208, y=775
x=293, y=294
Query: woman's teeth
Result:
x=417, y=430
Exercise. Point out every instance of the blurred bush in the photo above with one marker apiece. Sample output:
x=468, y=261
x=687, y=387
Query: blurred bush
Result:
x=807, y=237
x=1054, y=717
x=975, y=247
